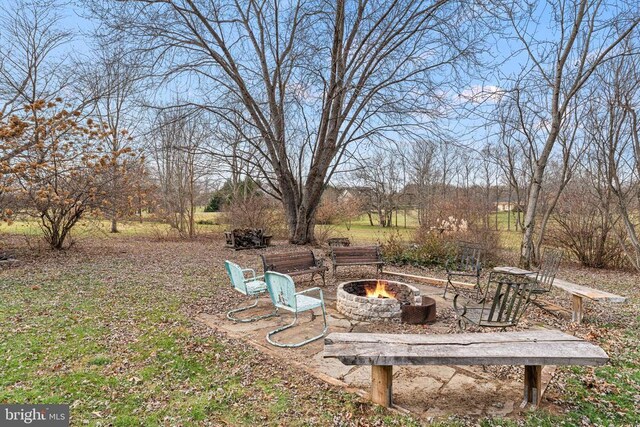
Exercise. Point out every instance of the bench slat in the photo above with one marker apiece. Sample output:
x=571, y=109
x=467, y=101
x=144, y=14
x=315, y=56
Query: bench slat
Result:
x=467, y=338
x=294, y=264
x=583, y=291
x=517, y=348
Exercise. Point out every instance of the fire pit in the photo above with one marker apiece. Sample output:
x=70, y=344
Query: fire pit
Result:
x=375, y=300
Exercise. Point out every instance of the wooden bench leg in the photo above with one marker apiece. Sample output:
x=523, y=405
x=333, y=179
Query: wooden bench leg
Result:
x=578, y=309
x=532, y=385
x=381, y=381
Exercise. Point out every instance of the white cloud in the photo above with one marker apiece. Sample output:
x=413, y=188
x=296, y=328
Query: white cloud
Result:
x=481, y=94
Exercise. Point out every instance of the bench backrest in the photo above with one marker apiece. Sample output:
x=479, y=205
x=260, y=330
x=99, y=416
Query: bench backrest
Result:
x=289, y=262
x=355, y=254
x=467, y=259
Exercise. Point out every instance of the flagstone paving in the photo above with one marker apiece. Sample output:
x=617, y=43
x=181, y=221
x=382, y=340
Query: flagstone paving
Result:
x=428, y=391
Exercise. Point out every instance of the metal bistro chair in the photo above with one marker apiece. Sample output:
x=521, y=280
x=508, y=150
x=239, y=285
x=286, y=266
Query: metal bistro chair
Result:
x=548, y=268
x=466, y=264
x=502, y=306
x=251, y=286
x=283, y=295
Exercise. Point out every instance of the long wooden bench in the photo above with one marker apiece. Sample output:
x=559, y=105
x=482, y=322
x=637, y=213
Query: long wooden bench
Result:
x=579, y=292
x=532, y=349
x=294, y=264
x=357, y=255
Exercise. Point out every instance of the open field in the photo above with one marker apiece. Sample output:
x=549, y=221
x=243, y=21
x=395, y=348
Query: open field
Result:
x=108, y=326
x=358, y=230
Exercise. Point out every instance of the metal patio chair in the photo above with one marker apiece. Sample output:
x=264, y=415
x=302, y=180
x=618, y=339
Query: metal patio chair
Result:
x=551, y=259
x=283, y=295
x=251, y=286
x=505, y=301
x=467, y=263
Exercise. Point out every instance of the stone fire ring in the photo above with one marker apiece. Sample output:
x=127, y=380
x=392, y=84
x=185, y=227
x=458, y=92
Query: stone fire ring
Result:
x=375, y=309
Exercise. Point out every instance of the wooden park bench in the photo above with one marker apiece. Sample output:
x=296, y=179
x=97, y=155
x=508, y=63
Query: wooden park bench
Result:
x=294, y=264
x=579, y=292
x=532, y=349
x=357, y=255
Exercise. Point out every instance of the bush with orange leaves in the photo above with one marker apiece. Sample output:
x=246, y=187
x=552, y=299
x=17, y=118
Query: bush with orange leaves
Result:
x=55, y=166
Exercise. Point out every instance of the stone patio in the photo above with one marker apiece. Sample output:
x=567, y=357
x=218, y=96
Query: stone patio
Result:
x=427, y=391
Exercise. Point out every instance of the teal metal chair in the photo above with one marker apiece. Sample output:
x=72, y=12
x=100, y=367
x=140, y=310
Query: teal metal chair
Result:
x=283, y=295
x=251, y=286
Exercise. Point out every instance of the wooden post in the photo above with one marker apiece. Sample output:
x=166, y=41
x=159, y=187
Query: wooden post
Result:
x=532, y=385
x=381, y=380
x=577, y=309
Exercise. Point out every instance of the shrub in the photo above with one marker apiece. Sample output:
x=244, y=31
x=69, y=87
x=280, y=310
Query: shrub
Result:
x=433, y=247
x=215, y=204
x=432, y=250
x=581, y=227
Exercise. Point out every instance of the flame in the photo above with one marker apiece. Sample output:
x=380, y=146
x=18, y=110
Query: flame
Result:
x=380, y=291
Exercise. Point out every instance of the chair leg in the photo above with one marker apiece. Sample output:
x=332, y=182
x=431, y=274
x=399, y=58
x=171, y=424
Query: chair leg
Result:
x=230, y=314
x=290, y=325
x=444, y=296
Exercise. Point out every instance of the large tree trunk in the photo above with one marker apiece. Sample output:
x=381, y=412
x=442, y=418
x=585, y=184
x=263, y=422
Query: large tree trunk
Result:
x=300, y=216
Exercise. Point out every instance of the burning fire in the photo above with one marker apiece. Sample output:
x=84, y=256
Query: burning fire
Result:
x=380, y=291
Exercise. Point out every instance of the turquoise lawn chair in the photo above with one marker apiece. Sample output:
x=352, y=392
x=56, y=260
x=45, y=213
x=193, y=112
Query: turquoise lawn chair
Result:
x=283, y=294
x=251, y=286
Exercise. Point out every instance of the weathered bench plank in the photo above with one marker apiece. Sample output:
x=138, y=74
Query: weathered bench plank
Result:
x=579, y=292
x=532, y=349
x=428, y=280
x=585, y=292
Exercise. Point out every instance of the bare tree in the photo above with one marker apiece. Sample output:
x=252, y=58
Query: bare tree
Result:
x=112, y=82
x=611, y=122
x=380, y=178
x=309, y=79
x=176, y=141
x=424, y=175
x=30, y=68
x=560, y=62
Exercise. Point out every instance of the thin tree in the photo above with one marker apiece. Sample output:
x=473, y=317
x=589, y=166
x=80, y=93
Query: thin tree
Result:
x=112, y=83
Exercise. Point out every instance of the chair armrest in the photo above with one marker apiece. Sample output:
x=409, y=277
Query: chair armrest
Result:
x=316, y=289
x=460, y=312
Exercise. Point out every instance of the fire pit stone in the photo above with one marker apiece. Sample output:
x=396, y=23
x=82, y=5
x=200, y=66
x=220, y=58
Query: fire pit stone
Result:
x=353, y=302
